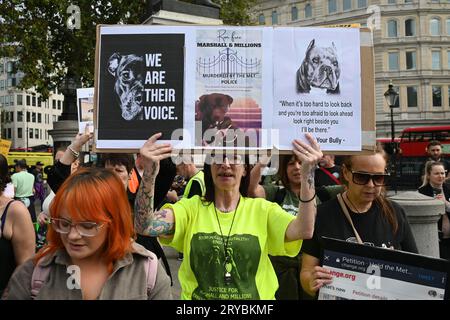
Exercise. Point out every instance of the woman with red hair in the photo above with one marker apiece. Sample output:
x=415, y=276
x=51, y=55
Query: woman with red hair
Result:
x=91, y=253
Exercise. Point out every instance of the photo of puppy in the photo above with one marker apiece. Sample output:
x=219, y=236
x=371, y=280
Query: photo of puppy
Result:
x=320, y=69
x=211, y=110
x=127, y=71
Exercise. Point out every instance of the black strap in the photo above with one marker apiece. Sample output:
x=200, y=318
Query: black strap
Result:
x=330, y=175
x=4, y=217
x=280, y=195
x=166, y=265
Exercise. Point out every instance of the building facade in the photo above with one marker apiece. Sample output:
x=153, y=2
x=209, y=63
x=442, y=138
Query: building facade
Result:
x=411, y=47
x=25, y=117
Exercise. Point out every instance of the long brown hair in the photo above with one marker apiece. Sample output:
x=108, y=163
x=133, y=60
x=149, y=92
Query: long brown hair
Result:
x=94, y=194
x=386, y=206
x=4, y=173
x=282, y=170
x=209, y=183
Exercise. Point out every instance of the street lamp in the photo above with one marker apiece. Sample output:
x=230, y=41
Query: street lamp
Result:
x=69, y=90
x=26, y=132
x=391, y=97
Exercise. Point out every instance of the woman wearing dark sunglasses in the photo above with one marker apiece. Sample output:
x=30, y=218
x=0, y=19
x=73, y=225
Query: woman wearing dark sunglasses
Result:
x=90, y=253
x=225, y=236
x=378, y=221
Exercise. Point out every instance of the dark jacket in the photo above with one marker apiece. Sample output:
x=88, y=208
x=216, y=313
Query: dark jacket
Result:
x=428, y=191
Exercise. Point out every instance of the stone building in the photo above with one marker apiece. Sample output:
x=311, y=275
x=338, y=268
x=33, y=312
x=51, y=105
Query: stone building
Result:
x=411, y=45
x=25, y=117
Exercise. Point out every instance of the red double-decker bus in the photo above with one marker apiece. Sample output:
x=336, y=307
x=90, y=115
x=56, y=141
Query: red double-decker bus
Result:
x=414, y=140
x=388, y=146
x=413, y=152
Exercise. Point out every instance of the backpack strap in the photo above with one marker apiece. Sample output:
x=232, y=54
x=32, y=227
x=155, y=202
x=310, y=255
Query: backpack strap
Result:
x=151, y=268
x=38, y=278
x=279, y=196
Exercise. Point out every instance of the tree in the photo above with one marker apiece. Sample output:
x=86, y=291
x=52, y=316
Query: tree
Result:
x=47, y=49
x=48, y=52
x=236, y=12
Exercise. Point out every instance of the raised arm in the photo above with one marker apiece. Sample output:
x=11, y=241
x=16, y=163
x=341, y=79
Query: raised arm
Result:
x=254, y=188
x=61, y=170
x=147, y=221
x=309, y=155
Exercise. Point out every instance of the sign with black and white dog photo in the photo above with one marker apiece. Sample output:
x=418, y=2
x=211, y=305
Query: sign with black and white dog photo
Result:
x=230, y=87
x=140, y=85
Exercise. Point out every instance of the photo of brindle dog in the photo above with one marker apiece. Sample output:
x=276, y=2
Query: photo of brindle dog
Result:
x=212, y=112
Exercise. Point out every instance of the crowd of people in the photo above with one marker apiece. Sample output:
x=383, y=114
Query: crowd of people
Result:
x=239, y=235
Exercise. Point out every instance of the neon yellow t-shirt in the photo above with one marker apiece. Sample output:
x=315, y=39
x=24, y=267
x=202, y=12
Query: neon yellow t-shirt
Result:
x=258, y=230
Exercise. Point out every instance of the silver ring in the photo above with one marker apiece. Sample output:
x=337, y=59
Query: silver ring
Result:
x=306, y=153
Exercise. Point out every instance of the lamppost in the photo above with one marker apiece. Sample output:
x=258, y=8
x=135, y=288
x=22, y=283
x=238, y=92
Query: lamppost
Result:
x=69, y=90
x=26, y=133
x=67, y=125
x=391, y=97
x=24, y=115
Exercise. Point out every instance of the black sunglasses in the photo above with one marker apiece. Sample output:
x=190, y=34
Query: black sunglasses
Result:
x=363, y=178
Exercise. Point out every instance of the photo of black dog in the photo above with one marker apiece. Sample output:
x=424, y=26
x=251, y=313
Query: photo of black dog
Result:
x=127, y=71
x=211, y=110
x=320, y=69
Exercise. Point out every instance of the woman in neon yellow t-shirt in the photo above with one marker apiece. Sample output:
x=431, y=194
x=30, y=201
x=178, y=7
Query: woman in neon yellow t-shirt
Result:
x=226, y=237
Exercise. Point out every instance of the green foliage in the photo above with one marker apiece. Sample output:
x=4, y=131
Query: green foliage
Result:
x=36, y=33
x=236, y=12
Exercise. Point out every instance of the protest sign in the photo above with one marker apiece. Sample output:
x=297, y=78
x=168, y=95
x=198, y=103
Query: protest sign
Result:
x=5, y=145
x=198, y=84
x=85, y=103
x=317, y=86
x=363, y=272
x=231, y=80
x=140, y=84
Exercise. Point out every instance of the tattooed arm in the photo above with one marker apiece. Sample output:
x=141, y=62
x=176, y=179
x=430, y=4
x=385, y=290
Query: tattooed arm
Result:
x=147, y=221
x=309, y=155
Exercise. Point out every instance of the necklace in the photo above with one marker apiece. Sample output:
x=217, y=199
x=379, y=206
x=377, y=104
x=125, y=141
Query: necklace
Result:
x=228, y=265
x=348, y=199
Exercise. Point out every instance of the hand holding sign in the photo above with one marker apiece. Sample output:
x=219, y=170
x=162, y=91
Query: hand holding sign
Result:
x=315, y=278
x=308, y=155
x=152, y=153
x=82, y=138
